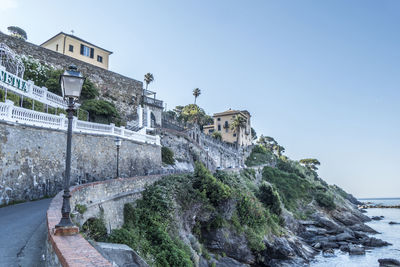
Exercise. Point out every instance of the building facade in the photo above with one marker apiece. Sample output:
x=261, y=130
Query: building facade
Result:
x=75, y=47
x=222, y=124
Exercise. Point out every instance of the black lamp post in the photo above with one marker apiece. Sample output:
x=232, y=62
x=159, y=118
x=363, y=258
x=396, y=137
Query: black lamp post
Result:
x=71, y=85
x=118, y=142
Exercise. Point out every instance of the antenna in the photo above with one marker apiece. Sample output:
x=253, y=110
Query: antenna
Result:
x=72, y=32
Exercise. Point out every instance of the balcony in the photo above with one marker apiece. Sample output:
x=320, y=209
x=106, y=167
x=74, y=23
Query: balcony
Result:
x=153, y=102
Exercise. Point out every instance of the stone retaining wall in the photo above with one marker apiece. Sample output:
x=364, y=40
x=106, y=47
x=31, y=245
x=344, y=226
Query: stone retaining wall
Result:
x=32, y=160
x=114, y=87
x=103, y=199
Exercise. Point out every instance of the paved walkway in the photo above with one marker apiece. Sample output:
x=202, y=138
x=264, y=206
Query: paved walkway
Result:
x=23, y=234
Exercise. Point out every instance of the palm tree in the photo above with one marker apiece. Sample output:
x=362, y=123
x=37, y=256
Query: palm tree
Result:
x=148, y=78
x=238, y=123
x=196, y=93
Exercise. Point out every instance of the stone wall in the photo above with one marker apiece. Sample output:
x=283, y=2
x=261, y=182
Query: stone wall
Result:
x=114, y=87
x=189, y=147
x=106, y=199
x=32, y=160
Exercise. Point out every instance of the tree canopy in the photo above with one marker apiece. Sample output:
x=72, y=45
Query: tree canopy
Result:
x=310, y=163
x=18, y=32
x=148, y=78
x=196, y=93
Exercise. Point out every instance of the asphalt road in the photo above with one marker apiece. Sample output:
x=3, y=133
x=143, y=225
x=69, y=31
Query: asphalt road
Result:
x=23, y=234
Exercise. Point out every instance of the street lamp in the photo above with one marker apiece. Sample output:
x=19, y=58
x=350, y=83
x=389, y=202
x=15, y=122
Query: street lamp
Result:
x=71, y=82
x=118, y=142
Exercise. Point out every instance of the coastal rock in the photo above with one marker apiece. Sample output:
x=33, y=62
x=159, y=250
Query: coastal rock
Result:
x=344, y=248
x=363, y=228
x=232, y=244
x=377, y=218
x=344, y=236
x=328, y=253
x=229, y=262
x=374, y=242
x=356, y=250
x=388, y=262
x=393, y=222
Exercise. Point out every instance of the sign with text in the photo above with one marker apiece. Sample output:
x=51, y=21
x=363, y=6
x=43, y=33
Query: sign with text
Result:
x=14, y=81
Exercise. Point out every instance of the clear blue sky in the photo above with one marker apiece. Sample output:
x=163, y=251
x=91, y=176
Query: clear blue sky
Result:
x=321, y=77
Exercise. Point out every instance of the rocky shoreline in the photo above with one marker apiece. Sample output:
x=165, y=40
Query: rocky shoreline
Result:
x=375, y=206
x=342, y=229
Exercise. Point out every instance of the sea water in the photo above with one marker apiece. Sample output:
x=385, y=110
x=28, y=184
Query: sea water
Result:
x=387, y=232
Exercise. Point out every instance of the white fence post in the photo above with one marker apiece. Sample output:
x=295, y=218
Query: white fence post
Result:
x=62, y=121
x=112, y=127
x=148, y=117
x=140, y=114
x=10, y=105
x=122, y=131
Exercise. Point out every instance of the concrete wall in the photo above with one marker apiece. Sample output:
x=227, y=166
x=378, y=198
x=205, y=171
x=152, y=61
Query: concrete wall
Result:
x=114, y=87
x=32, y=160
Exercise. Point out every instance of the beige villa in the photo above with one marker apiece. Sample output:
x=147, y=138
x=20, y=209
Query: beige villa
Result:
x=222, y=124
x=70, y=45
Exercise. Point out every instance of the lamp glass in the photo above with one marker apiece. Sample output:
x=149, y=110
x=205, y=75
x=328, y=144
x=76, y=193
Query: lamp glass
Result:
x=118, y=142
x=71, y=83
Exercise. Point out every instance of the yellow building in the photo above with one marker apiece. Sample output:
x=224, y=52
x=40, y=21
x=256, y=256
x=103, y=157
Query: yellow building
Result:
x=75, y=47
x=223, y=122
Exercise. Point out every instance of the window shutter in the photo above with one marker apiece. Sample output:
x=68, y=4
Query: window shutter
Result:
x=81, y=49
x=91, y=52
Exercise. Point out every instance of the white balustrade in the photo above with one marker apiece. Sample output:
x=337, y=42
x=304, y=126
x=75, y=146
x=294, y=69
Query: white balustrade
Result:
x=11, y=113
x=17, y=85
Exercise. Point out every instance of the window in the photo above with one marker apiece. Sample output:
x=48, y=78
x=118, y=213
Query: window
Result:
x=100, y=59
x=219, y=119
x=71, y=48
x=234, y=135
x=56, y=47
x=219, y=127
x=226, y=124
x=87, y=51
x=211, y=130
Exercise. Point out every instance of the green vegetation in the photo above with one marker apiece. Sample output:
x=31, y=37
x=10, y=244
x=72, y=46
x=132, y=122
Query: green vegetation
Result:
x=191, y=113
x=148, y=78
x=196, y=94
x=80, y=208
x=167, y=156
x=259, y=156
x=100, y=110
x=95, y=229
x=149, y=226
x=17, y=32
x=217, y=135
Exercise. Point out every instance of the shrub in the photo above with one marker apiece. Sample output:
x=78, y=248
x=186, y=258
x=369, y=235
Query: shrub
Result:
x=259, y=156
x=270, y=198
x=80, y=208
x=167, y=156
x=215, y=191
x=291, y=187
x=101, y=111
x=95, y=229
x=147, y=225
x=217, y=135
x=325, y=200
